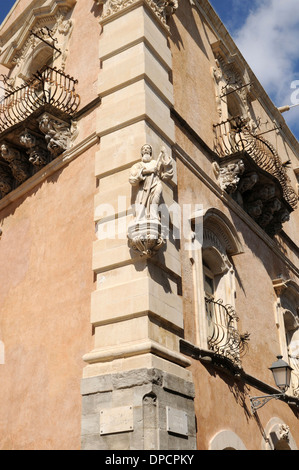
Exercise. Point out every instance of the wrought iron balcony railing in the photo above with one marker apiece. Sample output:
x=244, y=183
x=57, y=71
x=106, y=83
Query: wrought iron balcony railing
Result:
x=223, y=336
x=234, y=136
x=37, y=123
x=48, y=86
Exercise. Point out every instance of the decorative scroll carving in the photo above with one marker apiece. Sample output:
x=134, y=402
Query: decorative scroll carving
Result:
x=229, y=175
x=284, y=432
x=145, y=233
x=36, y=151
x=57, y=133
x=163, y=8
x=17, y=161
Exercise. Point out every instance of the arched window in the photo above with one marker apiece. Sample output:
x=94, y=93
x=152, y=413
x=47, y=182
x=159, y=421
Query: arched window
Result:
x=278, y=436
x=41, y=56
x=226, y=440
x=287, y=309
x=214, y=284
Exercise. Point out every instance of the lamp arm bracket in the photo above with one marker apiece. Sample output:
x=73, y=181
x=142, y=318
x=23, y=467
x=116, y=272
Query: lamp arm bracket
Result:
x=259, y=402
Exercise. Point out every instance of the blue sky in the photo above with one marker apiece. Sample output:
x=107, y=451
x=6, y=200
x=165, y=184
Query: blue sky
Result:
x=5, y=6
x=267, y=34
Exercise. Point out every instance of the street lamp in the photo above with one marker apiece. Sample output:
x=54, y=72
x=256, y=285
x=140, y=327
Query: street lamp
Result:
x=282, y=376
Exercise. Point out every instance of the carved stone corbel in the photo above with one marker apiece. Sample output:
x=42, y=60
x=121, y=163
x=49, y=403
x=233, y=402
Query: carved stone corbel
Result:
x=145, y=232
x=18, y=163
x=228, y=176
x=37, y=153
x=57, y=133
x=6, y=180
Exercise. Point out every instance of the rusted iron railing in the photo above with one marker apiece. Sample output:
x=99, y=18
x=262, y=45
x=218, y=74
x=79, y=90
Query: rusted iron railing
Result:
x=48, y=86
x=223, y=336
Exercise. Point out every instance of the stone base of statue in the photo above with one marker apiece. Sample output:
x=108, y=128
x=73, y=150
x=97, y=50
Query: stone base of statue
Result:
x=145, y=236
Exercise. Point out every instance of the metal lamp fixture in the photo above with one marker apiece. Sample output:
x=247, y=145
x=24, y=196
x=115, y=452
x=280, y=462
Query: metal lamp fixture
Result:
x=282, y=376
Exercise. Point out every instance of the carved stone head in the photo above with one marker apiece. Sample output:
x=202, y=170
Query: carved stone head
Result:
x=146, y=153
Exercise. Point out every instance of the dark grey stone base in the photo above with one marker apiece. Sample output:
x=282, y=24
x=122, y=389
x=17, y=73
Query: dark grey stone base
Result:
x=145, y=409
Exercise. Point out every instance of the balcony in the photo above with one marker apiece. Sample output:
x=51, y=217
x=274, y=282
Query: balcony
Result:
x=223, y=337
x=35, y=125
x=250, y=169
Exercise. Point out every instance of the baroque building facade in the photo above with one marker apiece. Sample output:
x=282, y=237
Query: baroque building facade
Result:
x=149, y=233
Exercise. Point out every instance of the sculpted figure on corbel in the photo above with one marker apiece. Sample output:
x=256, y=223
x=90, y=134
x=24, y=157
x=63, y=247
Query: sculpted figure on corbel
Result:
x=36, y=151
x=17, y=161
x=145, y=232
x=163, y=8
x=58, y=133
x=228, y=176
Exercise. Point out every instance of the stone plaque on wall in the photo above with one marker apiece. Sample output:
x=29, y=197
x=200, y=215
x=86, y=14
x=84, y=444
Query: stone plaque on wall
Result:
x=115, y=420
x=176, y=421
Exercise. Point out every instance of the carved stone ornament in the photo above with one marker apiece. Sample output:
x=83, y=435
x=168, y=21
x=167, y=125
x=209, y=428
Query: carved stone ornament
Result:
x=57, y=133
x=162, y=8
x=228, y=176
x=284, y=432
x=18, y=163
x=52, y=14
x=145, y=233
x=36, y=150
x=6, y=181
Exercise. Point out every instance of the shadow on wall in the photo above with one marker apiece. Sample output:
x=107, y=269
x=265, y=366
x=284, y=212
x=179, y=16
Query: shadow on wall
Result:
x=188, y=21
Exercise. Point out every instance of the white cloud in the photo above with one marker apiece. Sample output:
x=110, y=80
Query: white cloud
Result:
x=269, y=41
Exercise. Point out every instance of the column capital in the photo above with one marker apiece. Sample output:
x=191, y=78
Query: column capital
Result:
x=162, y=8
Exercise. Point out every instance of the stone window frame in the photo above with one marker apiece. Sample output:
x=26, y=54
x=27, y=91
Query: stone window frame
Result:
x=21, y=48
x=214, y=241
x=226, y=440
x=278, y=436
x=287, y=322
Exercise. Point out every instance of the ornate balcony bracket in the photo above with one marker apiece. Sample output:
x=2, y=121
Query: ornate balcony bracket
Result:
x=6, y=180
x=57, y=133
x=250, y=169
x=36, y=125
x=229, y=175
x=17, y=161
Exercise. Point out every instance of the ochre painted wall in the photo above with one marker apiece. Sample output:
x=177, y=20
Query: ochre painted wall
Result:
x=46, y=282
